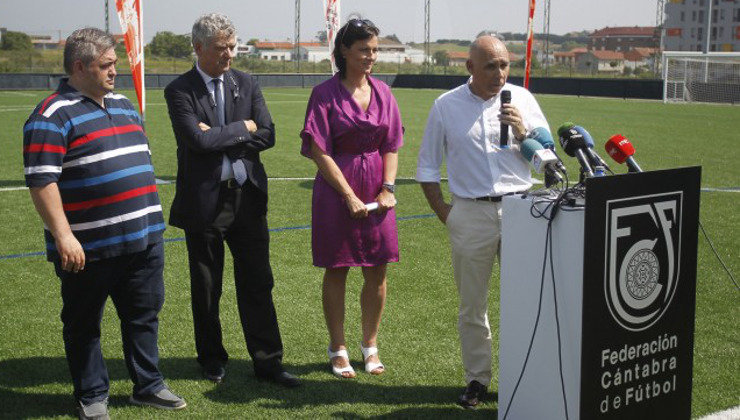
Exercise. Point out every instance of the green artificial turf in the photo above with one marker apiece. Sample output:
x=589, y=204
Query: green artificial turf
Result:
x=418, y=339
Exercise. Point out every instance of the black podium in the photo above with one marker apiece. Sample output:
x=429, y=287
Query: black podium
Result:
x=625, y=280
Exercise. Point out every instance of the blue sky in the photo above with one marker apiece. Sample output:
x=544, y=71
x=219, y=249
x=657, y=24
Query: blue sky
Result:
x=274, y=19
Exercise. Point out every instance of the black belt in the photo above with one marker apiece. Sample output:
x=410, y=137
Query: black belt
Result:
x=495, y=198
x=231, y=184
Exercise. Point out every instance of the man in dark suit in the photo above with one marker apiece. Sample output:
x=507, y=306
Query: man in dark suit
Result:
x=221, y=124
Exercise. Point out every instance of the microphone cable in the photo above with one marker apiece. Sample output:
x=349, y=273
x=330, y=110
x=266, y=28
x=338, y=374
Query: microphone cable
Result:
x=534, y=330
x=552, y=205
x=716, y=254
x=557, y=323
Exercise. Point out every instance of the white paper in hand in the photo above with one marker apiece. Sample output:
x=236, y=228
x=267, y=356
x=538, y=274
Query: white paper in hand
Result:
x=374, y=205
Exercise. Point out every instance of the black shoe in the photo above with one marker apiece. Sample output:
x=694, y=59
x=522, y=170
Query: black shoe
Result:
x=474, y=393
x=282, y=378
x=214, y=372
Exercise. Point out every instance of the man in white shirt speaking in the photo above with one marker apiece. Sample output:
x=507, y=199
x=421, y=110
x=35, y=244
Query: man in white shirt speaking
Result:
x=465, y=126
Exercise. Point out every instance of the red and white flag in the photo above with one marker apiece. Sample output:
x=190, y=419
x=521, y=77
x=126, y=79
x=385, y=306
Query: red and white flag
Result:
x=332, y=18
x=132, y=25
x=530, y=38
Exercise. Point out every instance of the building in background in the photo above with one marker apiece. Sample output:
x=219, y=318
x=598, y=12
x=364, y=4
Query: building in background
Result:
x=314, y=54
x=244, y=49
x=641, y=57
x=568, y=58
x=458, y=58
x=598, y=61
x=391, y=51
x=625, y=38
x=686, y=25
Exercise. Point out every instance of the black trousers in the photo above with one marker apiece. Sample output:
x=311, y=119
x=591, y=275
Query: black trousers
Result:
x=134, y=283
x=242, y=224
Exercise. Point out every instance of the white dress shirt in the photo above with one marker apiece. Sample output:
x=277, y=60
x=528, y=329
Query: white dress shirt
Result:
x=227, y=172
x=466, y=129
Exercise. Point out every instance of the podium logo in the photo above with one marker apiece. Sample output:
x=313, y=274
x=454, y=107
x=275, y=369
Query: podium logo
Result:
x=642, y=257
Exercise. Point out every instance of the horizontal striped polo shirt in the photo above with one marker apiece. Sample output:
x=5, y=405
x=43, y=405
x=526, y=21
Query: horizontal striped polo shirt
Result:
x=100, y=160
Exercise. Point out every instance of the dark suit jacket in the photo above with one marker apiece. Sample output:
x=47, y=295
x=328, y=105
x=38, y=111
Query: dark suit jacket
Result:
x=199, y=153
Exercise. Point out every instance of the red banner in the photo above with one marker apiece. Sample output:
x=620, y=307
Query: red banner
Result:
x=332, y=19
x=530, y=38
x=132, y=25
x=673, y=32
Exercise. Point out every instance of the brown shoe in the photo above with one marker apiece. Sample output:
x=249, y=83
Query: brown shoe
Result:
x=474, y=393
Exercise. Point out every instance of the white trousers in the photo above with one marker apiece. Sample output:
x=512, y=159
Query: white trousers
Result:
x=475, y=237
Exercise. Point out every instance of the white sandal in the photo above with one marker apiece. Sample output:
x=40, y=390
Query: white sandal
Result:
x=370, y=367
x=338, y=371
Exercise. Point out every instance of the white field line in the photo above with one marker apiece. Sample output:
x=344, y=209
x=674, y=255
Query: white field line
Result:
x=285, y=94
x=165, y=182
x=18, y=108
x=729, y=414
x=13, y=93
x=534, y=181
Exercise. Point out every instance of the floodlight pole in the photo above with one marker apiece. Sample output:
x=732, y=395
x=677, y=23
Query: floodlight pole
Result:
x=660, y=27
x=427, y=46
x=107, y=19
x=298, y=34
x=709, y=37
x=547, y=36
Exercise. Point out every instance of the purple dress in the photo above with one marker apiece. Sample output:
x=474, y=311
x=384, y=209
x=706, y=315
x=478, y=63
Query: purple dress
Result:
x=356, y=140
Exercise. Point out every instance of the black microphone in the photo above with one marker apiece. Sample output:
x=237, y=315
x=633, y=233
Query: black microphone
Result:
x=505, y=99
x=597, y=163
x=574, y=144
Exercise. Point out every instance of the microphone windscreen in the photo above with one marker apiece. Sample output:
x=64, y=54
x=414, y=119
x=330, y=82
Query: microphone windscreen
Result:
x=528, y=148
x=619, y=148
x=505, y=96
x=565, y=127
x=586, y=136
x=571, y=141
x=543, y=137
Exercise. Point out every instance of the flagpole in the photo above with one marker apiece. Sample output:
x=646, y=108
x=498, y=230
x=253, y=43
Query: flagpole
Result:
x=530, y=37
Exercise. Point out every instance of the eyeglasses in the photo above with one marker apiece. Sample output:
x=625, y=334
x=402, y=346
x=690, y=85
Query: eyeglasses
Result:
x=357, y=23
x=361, y=22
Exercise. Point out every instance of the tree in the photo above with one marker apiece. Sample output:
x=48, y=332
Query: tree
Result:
x=321, y=36
x=120, y=49
x=253, y=41
x=17, y=41
x=441, y=58
x=167, y=44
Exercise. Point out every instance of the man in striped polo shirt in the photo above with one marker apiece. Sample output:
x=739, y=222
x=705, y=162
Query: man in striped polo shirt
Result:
x=88, y=166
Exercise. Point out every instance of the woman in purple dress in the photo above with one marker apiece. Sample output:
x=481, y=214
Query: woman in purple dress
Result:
x=352, y=132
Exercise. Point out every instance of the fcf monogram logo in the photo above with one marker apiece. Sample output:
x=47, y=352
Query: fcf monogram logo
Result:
x=642, y=257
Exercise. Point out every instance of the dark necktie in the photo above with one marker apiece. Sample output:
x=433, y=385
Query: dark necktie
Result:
x=240, y=171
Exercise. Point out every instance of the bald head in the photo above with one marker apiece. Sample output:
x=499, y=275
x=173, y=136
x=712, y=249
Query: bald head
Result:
x=489, y=66
x=487, y=44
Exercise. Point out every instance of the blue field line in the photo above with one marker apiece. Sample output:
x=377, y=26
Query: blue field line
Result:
x=275, y=230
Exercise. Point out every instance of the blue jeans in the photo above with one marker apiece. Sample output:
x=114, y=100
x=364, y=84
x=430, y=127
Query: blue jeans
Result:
x=135, y=284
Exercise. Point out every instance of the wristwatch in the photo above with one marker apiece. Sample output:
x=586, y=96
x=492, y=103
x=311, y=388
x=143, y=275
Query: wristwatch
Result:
x=391, y=188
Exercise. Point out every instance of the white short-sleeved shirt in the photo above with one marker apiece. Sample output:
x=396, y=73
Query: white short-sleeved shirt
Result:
x=466, y=130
